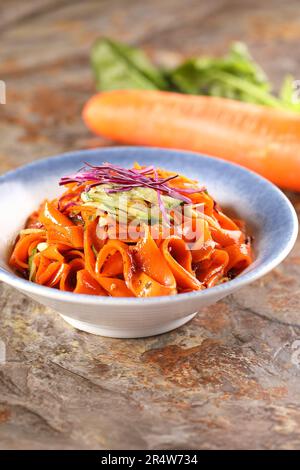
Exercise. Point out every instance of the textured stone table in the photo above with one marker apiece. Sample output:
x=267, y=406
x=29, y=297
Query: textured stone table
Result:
x=228, y=379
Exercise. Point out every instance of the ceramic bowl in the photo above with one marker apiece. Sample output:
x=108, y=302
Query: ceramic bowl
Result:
x=269, y=215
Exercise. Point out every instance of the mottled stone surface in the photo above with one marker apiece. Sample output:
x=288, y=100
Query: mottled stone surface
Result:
x=228, y=379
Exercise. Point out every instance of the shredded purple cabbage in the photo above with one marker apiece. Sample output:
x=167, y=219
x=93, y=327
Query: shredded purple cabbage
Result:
x=126, y=179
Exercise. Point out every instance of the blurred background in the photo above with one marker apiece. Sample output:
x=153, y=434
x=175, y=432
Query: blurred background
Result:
x=45, y=46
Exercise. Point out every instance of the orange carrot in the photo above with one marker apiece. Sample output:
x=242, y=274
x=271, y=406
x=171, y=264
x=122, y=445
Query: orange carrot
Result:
x=263, y=139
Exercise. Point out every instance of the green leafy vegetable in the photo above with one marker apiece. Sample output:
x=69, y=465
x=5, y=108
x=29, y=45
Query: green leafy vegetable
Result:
x=32, y=265
x=119, y=66
x=289, y=93
x=235, y=76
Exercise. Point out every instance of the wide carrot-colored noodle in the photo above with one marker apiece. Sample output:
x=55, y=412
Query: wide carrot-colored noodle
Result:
x=76, y=244
x=179, y=259
x=213, y=268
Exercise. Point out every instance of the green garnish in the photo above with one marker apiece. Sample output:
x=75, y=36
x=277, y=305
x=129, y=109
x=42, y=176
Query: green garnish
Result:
x=126, y=192
x=118, y=65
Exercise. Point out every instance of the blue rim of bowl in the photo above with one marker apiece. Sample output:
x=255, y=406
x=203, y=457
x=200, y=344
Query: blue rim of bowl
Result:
x=227, y=287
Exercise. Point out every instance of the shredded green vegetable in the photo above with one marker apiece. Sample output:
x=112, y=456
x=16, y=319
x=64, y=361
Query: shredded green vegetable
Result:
x=236, y=75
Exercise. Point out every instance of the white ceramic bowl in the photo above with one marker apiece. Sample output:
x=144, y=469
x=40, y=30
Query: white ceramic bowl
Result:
x=270, y=217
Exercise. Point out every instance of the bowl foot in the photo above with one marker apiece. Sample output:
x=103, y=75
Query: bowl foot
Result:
x=139, y=332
